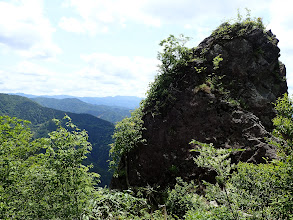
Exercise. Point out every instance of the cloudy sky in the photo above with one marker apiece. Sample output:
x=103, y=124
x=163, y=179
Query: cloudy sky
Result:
x=109, y=47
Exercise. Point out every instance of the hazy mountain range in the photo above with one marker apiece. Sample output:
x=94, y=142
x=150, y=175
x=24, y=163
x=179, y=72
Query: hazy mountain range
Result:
x=130, y=102
x=108, y=113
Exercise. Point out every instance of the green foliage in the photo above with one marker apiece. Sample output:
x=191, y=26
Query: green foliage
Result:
x=216, y=61
x=238, y=27
x=233, y=102
x=127, y=135
x=200, y=70
x=217, y=160
x=119, y=205
x=214, y=84
x=174, y=57
x=283, y=123
x=214, y=81
x=203, y=87
x=252, y=191
x=182, y=198
x=264, y=190
x=214, y=159
x=43, y=178
x=210, y=213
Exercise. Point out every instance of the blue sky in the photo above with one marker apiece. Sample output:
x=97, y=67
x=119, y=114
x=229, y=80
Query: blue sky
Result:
x=109, y=47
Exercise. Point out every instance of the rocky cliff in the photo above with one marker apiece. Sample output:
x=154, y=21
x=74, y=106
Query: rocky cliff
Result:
x=223, y=96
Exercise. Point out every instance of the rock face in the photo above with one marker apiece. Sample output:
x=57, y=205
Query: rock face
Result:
x=228, y=104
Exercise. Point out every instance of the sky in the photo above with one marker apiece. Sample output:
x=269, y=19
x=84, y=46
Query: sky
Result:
x=104, y=48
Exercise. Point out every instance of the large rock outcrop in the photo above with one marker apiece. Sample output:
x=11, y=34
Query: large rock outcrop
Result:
x=229, y=105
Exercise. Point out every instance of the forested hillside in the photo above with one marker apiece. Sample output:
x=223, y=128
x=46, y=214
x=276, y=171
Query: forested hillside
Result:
x=99, y=130
x=108, y=113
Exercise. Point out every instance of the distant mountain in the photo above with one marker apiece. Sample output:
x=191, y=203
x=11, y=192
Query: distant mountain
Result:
x=100, y=131
x=130, y=102
x=57, y=96
x=24, y=95
x=109, y=113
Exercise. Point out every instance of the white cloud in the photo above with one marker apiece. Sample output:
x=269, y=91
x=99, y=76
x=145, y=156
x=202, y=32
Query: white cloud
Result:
x=72, y=25
x=281, y=22
x=77, y=26
x=25, y=29
x=100, y=14
x=26, y=77
x=30, y=68
x=119, y=74
x=96, y=16
x=281, y=25
x=103, y=75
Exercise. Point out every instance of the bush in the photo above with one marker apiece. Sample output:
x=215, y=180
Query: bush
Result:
x=238, y=27
x=43, y=178
x=181, y=199
x=118, y=205
x=262, y=190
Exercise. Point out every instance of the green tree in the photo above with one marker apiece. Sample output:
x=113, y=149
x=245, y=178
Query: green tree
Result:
x=127, y=135
x=113, y=204
x=174, y=57
x=182, y=199
x=43, y=178
x=283, y=123
x=217, y=160
x=175, y=54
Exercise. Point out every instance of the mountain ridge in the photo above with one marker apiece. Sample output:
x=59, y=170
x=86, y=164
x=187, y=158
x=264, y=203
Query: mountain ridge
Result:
x=75, y=105
x=130, y=102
